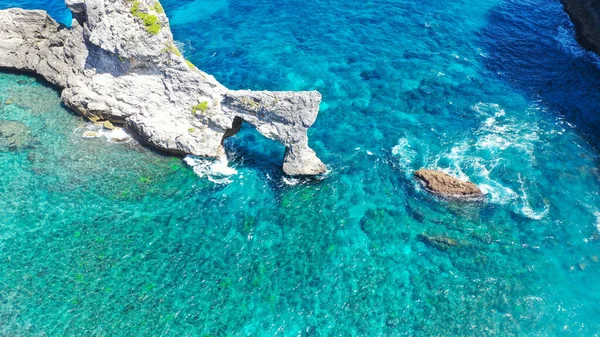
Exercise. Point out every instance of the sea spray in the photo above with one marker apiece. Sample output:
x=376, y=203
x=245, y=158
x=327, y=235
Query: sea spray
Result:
x=215, y=170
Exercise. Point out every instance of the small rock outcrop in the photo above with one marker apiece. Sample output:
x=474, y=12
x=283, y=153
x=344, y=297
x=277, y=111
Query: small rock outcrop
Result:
x=118, y=63
x=585, y=15
x=447, y=186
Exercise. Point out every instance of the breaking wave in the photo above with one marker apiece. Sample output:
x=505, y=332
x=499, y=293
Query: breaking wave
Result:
x=485, y=156
x=216, y=171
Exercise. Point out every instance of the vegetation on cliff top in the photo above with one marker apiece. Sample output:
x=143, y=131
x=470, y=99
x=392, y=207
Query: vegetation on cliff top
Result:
x=151, y=21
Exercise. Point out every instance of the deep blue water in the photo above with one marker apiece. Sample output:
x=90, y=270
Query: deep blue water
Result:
x=102, y=238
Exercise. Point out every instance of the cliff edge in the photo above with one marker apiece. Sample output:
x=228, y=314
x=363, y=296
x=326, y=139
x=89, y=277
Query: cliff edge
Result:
x=118, y=62
x=585, y=15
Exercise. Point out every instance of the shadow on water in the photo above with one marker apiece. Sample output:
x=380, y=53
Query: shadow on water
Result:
x=531, y=44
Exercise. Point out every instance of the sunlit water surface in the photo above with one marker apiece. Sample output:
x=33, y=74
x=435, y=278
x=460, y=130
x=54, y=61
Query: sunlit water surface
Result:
x=105, y=238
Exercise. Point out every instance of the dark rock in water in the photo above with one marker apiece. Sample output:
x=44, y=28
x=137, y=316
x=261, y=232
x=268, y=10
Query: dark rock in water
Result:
x=585, y=14
x=448, y=186
x=13, y=136
x=438, y=241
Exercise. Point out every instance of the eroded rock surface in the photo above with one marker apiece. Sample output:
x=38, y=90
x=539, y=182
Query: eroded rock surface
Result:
x=448, y=186
x=119, y=63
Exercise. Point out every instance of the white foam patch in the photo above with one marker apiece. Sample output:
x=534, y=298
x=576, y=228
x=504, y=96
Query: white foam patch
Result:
x=216, y=171
x=487, y=109
x=406, y=155
x=290, y=181
x=117, y=135
x=482, y=155
x=526, y=209
x=493, y=142
x=567, y=41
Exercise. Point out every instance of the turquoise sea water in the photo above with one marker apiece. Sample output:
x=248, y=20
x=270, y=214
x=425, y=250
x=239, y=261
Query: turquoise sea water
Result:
x=99, y=238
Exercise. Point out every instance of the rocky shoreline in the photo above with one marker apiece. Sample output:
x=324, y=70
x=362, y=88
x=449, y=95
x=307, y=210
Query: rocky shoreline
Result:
x=585, y=15
x=118, y=63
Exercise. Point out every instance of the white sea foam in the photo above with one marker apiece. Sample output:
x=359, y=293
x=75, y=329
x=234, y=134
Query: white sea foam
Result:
x=290, y=181
x=406, y=155
x=483, y=157
x=488, y=109
x=565, y=37
x=567, y=41
x=92, y=130
x=526, y=208
x=493, y=142
x=216, y=171
x=118, y=135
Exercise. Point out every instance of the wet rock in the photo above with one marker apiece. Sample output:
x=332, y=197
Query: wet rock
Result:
x=445, y=185
x=108, y=125
x=91, y=134
x=585, y=15
x=438, y=241
x=14, y=136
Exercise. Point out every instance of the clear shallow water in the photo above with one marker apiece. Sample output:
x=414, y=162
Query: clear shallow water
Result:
x=99, y=238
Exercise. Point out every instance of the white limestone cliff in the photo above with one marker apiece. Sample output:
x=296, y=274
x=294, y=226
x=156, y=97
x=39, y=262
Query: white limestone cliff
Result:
x=118, y=62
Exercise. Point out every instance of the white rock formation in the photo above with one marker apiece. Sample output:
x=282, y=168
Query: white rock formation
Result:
x=118, y=62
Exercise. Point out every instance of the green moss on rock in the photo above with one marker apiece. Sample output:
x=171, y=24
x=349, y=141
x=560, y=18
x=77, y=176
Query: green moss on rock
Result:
x=158, y=8
x=150, y=21
x=202, y=107
x=191, y=65
x=171, y=48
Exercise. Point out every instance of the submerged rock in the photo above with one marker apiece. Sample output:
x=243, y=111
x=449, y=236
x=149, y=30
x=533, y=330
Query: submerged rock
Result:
x=438, y=241
x=91, y=134
x=14, y=136
x=445, y=185
x=118, y=62
x=585, y=15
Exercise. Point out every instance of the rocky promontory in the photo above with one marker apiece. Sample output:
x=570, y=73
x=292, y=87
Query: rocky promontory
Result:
x=118, y=63
x=585, y=14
